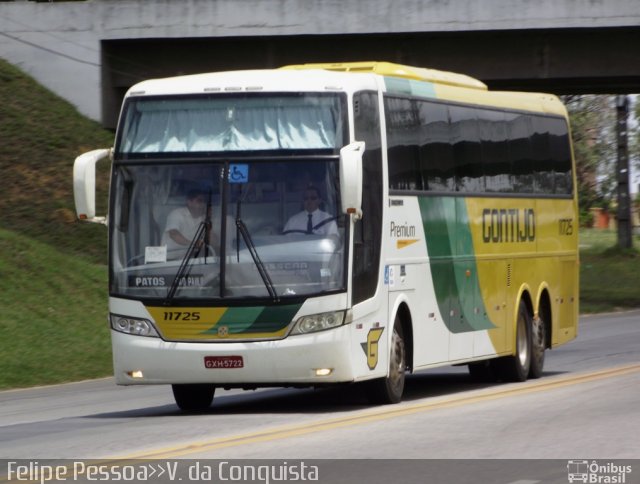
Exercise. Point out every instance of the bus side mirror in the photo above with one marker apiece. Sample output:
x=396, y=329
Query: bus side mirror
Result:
x=351, y=178
x=84, y=184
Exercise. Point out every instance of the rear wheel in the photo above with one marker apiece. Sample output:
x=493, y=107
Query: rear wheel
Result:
x=390, y=389
x=516, y=367
x=193, y=397
x=538, y=347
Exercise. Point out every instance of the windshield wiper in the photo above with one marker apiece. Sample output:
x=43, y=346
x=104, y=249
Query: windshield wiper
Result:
x=262, y=270
x=192, y=252
x=241, y=228
x=203, y=233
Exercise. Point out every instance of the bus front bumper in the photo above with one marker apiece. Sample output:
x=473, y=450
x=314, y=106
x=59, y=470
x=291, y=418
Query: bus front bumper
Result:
x=304, y=360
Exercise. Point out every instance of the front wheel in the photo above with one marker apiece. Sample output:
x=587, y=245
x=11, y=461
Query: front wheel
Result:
x=193, y=397
x=390, y=388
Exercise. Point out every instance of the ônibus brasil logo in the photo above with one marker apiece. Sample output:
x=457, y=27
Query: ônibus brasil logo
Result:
x=596, y=472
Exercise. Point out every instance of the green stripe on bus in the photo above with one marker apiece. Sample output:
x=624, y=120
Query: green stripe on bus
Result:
x=239, y=319
x=274, y=318
x=256, y=319
x=453, y=264
x=396, y=85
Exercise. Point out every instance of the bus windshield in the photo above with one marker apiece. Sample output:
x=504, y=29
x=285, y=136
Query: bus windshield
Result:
x=238, y=122
x=228, y=229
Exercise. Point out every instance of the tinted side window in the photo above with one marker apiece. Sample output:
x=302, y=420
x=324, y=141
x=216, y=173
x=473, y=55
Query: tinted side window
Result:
x=560, y=154
x=436, y=150
x=495, y=151
x=520, y=151
x=367, y=230
x=435, y=146
x=402, y=139
x=543, y=167
x=465, y=138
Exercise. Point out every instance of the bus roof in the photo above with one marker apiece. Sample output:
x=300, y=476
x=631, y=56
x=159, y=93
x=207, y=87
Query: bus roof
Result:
x=398, y=79
x=443, y=85
x=390, y=69
x=267, y=80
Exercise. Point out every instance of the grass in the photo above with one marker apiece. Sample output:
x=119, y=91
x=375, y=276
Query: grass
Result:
x=54, y=311
x=41, y=136
x=609, y=276
x=53, y=276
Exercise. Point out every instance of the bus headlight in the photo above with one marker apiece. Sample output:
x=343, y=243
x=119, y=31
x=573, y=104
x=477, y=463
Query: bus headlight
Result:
x=318, y=322
x=136, y=326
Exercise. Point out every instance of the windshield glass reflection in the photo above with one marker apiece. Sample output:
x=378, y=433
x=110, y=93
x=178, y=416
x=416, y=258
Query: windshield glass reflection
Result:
x=264, y=229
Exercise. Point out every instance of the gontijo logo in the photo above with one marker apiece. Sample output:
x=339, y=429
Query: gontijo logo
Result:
x=508, y=225
x=371, y=347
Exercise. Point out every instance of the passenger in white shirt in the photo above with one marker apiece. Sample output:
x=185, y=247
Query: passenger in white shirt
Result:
x=182, y=223
x=312, y=220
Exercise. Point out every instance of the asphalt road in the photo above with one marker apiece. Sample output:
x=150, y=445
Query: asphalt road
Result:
x=586, y=406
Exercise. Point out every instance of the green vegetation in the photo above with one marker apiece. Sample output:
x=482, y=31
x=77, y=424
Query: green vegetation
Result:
x=53, y=314
x=609, y=276
x=41, y=136
x=53, y=276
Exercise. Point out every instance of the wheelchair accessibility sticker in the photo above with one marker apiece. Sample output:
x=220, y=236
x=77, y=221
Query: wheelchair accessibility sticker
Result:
x=238, y=173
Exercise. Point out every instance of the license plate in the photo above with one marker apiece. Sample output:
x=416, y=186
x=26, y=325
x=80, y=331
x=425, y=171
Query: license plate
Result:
x=223, y=362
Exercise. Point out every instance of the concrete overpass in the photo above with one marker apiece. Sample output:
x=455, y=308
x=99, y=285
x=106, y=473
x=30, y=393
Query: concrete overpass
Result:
x=91, y=52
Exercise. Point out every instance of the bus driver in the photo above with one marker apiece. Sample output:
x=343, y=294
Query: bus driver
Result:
x=312, y=220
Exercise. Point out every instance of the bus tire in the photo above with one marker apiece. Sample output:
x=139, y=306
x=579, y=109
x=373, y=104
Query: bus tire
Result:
x=390, y=388
x=516, y=367
x=538, y=347
x=193, y=397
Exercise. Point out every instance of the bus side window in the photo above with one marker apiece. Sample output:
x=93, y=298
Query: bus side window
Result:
x=521, y=152
x=495, y=152
x=367, y=240
x=436, y=151
x=466, y=149
x=560, y=155
x=403, y=150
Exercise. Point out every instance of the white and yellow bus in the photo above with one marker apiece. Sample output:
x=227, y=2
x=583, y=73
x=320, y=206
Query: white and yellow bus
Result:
x=449, y=215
